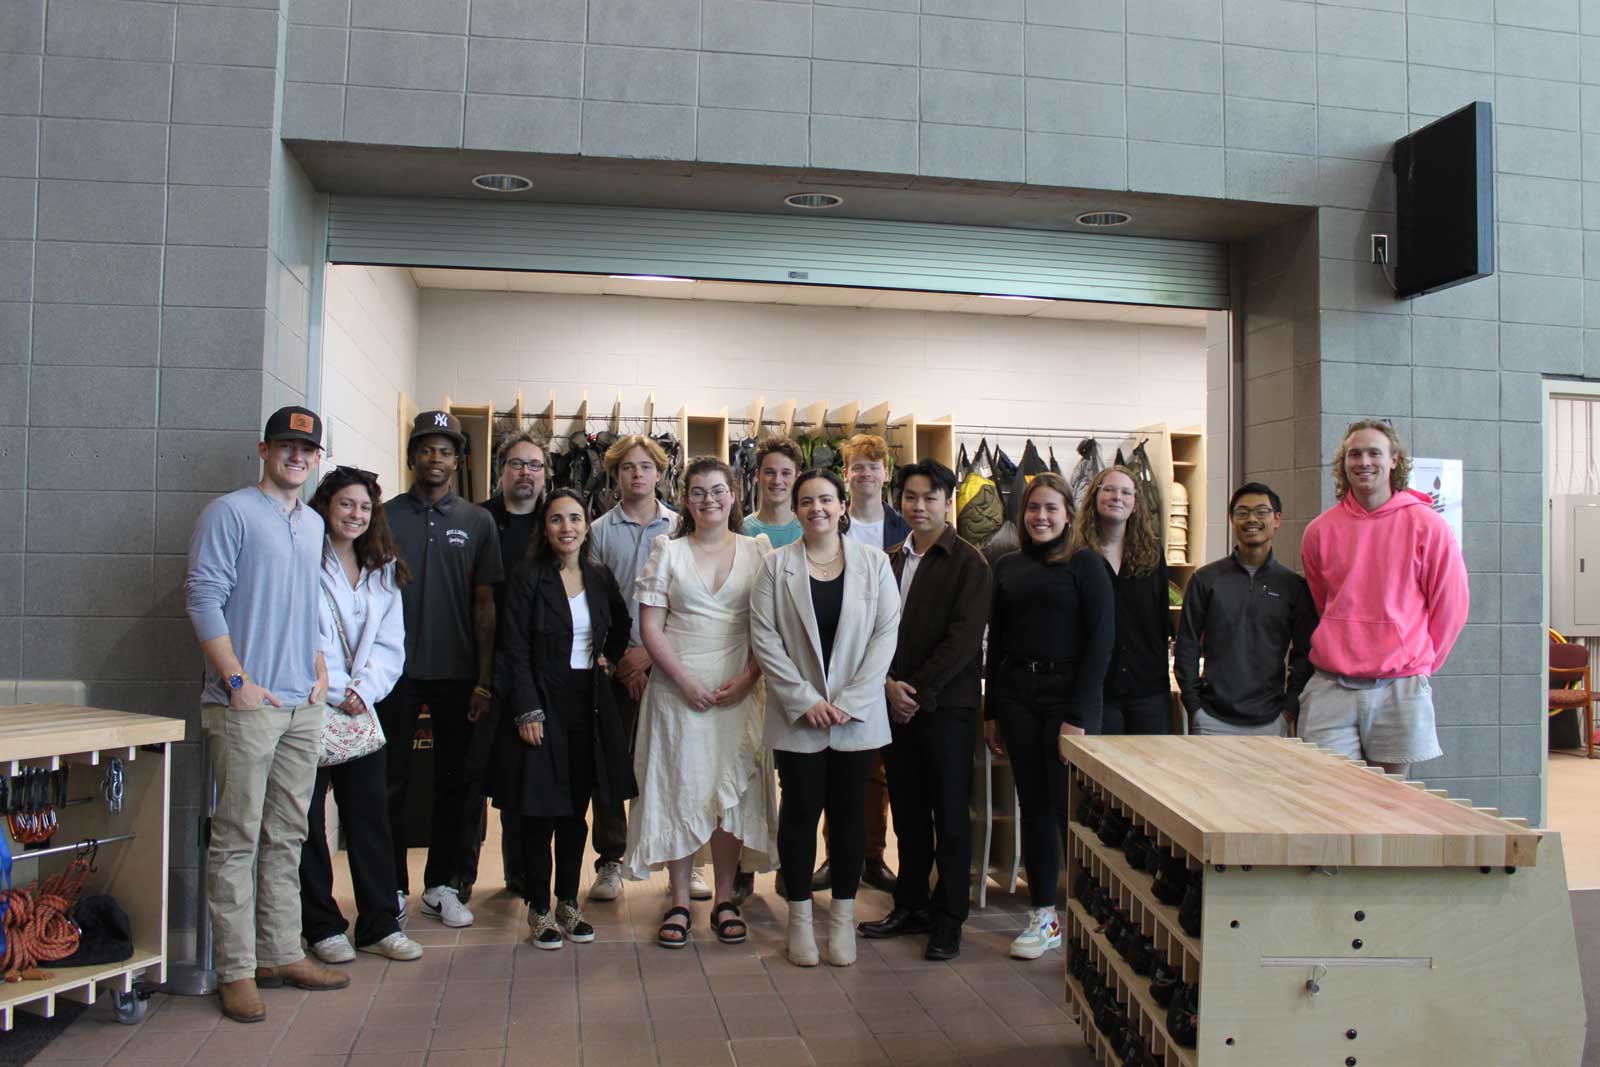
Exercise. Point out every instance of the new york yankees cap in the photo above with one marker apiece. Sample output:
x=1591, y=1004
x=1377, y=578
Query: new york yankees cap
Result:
x=294, y=424
x=442, y=423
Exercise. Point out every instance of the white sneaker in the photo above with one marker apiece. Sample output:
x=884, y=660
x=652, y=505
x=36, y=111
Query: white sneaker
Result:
x=607, y=882
x=699, y=888
x=400, y=909
x=335, y=949
x=396, y=946
x=440, y=902
x=1042, y=934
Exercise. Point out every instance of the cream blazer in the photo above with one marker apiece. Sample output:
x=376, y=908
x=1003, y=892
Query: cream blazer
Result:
x=783, y=634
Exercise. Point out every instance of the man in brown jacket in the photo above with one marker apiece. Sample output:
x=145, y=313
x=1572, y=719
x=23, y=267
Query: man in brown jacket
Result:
x=934, y=700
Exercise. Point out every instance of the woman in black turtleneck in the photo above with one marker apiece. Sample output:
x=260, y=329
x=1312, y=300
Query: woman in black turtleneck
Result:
x=1051, y=627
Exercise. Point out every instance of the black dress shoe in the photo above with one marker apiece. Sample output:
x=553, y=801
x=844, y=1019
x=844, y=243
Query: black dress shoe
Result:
x=898, y=922
x=945, y=944
x=823, y=879
x=877, y=874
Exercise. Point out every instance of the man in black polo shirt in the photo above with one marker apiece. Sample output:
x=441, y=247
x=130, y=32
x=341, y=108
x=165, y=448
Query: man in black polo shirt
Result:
x=1249, y=616
x=453, y=550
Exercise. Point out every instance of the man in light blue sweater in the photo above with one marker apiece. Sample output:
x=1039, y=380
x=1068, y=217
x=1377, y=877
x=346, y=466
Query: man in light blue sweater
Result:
x=251, y=593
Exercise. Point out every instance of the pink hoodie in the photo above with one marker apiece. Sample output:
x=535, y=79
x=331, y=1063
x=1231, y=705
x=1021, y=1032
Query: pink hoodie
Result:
x=1389, y=584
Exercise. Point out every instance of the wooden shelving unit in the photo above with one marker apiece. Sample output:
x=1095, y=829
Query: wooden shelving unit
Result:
x=477, y=422
x=1346, y=913
x=133, y=870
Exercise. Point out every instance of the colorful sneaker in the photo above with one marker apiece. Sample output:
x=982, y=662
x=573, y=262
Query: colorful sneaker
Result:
x=442, y=903
x=396, y=946
x=607, y=882
x=335, y=949
x=543, y=931
x=1042, y=934
x=572, y=923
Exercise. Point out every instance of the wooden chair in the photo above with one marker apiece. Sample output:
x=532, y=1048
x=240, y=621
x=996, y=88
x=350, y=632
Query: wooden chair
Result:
x=1570, y=663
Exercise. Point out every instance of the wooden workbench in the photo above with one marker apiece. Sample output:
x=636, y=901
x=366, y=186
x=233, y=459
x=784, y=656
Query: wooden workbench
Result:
x=133, y=870
x=1431, y=930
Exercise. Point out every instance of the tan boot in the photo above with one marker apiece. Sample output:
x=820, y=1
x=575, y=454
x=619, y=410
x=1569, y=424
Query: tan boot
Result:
x=241, y=1001
x=302, y=974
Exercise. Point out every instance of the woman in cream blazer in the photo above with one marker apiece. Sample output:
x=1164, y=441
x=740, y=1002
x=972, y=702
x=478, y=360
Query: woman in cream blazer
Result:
x=824, y=618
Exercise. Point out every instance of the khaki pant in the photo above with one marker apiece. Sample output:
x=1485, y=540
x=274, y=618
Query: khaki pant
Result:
x=265, y=765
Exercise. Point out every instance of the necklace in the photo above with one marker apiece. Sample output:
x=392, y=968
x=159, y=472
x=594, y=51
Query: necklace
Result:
x=824, y=562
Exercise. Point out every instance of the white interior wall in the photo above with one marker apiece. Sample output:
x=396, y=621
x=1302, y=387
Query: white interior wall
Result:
x=369, y=355
x=984, y=370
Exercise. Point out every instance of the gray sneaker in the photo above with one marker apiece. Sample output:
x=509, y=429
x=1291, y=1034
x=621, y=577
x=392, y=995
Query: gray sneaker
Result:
x=607, y=882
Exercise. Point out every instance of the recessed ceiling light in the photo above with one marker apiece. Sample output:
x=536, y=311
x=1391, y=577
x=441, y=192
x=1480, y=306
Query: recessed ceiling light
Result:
x=813, y=201
x=502, y=183
x=1103, y=219
x=647, y=278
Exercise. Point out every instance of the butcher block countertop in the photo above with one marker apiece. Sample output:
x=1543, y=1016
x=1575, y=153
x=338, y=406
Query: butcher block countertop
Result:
x=32, y=731
x=1281, y=802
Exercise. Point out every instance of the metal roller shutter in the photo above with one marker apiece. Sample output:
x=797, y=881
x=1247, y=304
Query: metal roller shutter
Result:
x=768, y=248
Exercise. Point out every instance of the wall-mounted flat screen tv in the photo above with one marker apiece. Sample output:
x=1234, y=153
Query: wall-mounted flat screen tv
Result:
x=1444, y=202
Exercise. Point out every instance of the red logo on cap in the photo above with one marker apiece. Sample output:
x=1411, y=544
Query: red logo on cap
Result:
x=302, y=423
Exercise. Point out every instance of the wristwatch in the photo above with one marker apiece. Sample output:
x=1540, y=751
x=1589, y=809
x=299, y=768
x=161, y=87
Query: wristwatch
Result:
x=236, y=682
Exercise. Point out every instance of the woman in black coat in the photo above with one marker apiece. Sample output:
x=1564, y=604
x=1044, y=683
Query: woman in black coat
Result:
x=563, y=741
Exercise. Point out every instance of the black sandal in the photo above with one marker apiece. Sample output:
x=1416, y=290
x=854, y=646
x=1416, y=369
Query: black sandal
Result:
x=668, y=927
x=722, y=927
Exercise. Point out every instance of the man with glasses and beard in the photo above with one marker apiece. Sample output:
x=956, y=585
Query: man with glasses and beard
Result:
x=1252, y=619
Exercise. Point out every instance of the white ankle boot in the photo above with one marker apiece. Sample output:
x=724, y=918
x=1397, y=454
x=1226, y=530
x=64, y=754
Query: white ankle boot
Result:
x=802, y=938
x=842, y=933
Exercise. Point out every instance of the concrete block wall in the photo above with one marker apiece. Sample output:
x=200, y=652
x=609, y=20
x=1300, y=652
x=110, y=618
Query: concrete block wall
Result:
x=369, y=354
x=1263, y=100
x=482, y=347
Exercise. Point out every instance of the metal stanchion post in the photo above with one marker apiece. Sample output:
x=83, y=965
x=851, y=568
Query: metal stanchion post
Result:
x=199, y=979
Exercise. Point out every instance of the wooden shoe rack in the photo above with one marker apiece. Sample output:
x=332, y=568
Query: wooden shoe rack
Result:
x=130, y=862
x=1348, y=917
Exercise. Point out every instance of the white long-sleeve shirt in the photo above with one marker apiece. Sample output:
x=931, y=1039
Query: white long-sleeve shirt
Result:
x=374, y=623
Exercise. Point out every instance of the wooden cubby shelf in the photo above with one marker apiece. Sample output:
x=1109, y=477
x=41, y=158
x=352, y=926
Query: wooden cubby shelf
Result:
x=1336, y=901
x=130, y=865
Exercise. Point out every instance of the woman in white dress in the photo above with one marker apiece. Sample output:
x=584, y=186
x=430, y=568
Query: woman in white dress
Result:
x=703, y=772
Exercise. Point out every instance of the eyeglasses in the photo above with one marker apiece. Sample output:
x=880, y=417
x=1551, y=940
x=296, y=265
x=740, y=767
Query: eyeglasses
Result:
x=1264, y=512
x=717, y=493
x=517, y=466
x=356, y=472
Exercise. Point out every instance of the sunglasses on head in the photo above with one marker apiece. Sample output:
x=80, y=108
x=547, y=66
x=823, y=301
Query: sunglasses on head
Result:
x=370, y=477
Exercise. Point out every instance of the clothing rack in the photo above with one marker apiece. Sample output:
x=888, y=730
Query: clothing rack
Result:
x=1048, y=433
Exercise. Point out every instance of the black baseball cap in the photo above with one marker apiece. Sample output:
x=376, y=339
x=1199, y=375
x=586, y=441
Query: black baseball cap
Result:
x=294, y=424
x=441, y=423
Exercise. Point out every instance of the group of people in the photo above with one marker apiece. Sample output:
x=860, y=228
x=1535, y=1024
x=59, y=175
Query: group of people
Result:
x=676, y=672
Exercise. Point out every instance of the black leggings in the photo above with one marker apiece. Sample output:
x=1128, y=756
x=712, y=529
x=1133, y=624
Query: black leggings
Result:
x=1030, y=725
x=812, y=782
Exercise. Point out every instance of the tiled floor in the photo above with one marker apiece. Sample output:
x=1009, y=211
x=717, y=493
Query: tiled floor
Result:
x=484, y=997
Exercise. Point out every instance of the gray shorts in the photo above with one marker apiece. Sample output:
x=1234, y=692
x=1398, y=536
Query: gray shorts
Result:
x=1391, y=722
x=1208, y=725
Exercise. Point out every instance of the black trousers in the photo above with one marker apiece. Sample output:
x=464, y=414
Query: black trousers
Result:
x=814, y=782
x=1029, y=709
x=510, y=845
x=359, y=787
x=611, y=820
x=565, y=834
x=1138, y=715
x=929, y=765
x=452, y=829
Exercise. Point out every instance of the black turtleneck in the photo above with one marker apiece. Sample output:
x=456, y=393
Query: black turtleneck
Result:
x=1063, y=612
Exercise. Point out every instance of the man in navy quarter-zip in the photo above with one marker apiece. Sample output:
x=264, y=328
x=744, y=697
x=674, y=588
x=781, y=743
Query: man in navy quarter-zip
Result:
x=1251, y=618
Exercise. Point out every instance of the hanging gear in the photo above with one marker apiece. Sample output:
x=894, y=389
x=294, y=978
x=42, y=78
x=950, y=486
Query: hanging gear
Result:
x=1055, y=468
x=1144, y=481
x=1089, y=464
x=979, y=509
x=962, y=463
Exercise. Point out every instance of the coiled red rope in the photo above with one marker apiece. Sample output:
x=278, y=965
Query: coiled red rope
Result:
x=37, y=924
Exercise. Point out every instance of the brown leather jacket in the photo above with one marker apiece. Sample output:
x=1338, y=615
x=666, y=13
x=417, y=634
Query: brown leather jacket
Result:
x=941, y=626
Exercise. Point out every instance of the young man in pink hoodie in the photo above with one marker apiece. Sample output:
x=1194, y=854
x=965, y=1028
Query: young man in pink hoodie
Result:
x=1389, y=582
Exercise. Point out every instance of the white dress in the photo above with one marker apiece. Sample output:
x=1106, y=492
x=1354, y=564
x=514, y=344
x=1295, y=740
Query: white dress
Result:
x=700, y=769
